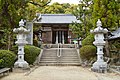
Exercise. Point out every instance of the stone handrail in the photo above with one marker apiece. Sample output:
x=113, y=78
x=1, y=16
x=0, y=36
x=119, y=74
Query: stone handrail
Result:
x=59, y=51
x=78, y=53
x=39, y=57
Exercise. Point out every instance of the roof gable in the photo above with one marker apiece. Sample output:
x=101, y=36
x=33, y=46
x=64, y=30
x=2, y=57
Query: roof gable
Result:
x=115, y=34
x=57, y=18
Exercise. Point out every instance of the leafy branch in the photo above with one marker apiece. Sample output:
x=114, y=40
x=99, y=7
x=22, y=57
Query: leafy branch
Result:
x=40, y=4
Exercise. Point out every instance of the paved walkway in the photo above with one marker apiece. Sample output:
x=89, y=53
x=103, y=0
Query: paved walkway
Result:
x=61, y=73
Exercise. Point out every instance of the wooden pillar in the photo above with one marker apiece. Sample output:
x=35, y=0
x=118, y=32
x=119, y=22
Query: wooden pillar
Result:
x=63, y=37
x=56, y=37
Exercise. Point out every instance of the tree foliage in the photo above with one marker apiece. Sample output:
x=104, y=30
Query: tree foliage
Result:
x=88, y=40
x=108, y=11
x=83, y=13
x=35, y=6
x=57, y=8
x=11, y=11
x=40, y=3
x=89, y=11
x=9, y=17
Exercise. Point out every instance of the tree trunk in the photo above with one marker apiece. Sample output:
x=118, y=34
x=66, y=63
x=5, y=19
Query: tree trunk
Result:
x=107, y=49
x=9, y=42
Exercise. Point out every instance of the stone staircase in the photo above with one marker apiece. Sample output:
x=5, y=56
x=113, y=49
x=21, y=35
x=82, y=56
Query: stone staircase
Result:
x=48, y=57
x=69, y=57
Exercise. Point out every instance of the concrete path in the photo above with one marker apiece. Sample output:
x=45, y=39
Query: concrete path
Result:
x=61, y=73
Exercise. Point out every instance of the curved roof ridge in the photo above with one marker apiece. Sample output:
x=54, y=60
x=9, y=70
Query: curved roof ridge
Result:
x=57, y=18
x=57, y=14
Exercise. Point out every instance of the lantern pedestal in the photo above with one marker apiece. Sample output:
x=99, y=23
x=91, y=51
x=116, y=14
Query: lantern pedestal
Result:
x=21, y=63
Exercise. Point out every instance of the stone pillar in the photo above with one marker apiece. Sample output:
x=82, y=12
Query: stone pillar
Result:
x=40, y=39
x=56, y=37
x=63, y=37
x=79, y=42
x=99, y=43
x=29, y=25
x=21, y=41
x=60, y=36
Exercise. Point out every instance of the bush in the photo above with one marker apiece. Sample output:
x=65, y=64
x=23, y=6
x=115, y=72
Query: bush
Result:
x=88, y=40
x=14, y=49
x=88, y=52
x=31, y=53
x=7, y=58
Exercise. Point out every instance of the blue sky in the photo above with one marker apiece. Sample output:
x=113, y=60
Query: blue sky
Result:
x=66, y=1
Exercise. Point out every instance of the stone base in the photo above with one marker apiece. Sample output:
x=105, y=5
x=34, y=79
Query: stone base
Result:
x=21, y=64
x=99, y=67
x=21, y=70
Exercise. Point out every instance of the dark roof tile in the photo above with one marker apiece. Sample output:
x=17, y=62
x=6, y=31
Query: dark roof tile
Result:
x=57, y=18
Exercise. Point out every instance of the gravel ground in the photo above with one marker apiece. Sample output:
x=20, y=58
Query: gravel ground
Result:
x=61, y=73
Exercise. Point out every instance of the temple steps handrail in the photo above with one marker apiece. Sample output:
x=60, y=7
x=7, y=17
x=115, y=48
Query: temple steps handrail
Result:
x=39, y=57
x=59, y=51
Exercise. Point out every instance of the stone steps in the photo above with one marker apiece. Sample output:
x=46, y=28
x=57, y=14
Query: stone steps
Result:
x=68, y=57
x=59, y=64
x=63, y=57
x=63, y=46
x=60, y=61
x=53, y=57
x=55, y=60
x=60, y=45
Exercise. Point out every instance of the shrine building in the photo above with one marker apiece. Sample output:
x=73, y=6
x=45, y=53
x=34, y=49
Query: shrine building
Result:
x=55, y=27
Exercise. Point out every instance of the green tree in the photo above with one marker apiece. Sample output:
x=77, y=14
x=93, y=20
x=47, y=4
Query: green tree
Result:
x=35, y=6
x=54, y=8
x=9, y=17
x=57, y=8
x=89, y=11
x=83, y=13
x=108, y=11
x=69, y=9
x=11, y=11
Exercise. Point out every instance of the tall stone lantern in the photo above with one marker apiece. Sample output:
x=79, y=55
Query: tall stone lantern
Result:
x=99, y=43
x=21, y=41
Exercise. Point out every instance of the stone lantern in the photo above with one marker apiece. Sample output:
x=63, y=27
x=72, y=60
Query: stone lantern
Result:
x=99, y=43
x=21, y=41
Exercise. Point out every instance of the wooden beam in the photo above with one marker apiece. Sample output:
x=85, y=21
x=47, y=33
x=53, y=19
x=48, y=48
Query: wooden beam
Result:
x=60, y=29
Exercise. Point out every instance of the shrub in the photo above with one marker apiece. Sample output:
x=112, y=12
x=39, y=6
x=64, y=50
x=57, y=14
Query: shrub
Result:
x=88, y=52
x=7, y=58
x=88, y=40
x=14, y=49
x=31, y=53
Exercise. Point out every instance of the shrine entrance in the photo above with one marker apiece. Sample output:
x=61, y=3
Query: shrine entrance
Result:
x=59, y=35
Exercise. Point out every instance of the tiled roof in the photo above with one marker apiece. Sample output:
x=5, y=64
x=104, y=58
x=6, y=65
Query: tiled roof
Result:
x=115, y=34
x=57, y=18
